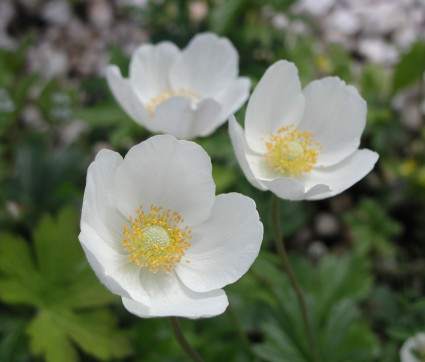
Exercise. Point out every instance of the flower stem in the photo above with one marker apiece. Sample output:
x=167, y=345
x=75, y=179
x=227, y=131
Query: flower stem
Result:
x=292, y=277
x=175, y=325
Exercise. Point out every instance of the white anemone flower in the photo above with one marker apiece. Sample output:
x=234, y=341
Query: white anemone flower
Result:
x=186, y=93
x=302, y=144
x=413, y=350
x=155, y=233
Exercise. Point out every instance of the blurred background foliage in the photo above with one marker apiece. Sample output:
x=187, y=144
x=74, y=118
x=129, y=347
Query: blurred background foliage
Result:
x=360, y=256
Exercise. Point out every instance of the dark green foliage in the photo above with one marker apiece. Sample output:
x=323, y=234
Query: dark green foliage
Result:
x=411, y=68
x=52, y=275
x=372, y=230
x=333, y=289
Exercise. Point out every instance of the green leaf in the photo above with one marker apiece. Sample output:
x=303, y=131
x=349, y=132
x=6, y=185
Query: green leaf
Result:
x=49, y=339
x=340, y=59
x=12, y=63
x=56, y=245
x=84, y=290
x=13, y=341
x=59, y=282
x=301, y=54
x=338, y=279
x=224, y=178
x=332, y=290
x=411, y=67
x=68, y=280
x=106, y=114
x=341, y=317
x=218, y=146
x=51, y=334
x=120, y=59
x=276, y=353
x=40, y=175
x=375, y=82
x=19, y=280
x=20, y=93
x=224, y=15
x=360, y=344
x=94, y=331
x=294, y=216
x=372, y=229
x=15, y=257
x=282, y=341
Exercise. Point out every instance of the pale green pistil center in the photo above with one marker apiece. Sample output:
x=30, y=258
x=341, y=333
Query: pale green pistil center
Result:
x=295, y=150
x=157, y=235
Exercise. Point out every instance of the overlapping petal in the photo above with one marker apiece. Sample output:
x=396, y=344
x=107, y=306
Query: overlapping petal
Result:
x=233, y=97
x=172, y=298
x=126, y=96
x=155, y=172
x=99, y=209
x=290, y=188
x=242, y=151
x=224, y=246
x=112, y=268
x=336, y=115
x=341, y=176
x=149, y=68
x=208, y=64
x=277, y=101
x=188, y=121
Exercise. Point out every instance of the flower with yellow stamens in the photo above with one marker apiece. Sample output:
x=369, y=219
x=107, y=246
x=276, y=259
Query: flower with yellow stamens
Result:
x=186, y=93
x=290, y=152
x=302, y=144
x=155, y=233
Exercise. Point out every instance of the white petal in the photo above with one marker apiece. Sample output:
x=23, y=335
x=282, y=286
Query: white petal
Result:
x=343, y=175
x=410, y=345
x=208, y=116
x=336, y=115
x=178, y=117
x=163, y=171
x=169, y=297
x=149, y=69
x=120, y=88
x=114, y=270
x=233, y=97
x=241, y=151
x=174, y=116
x=99, y=210
x=289, y=188
x=277, y=101
x=253, y=164
x=260, y=167
x=207, y=65
x=126, y=96
x=224, y=246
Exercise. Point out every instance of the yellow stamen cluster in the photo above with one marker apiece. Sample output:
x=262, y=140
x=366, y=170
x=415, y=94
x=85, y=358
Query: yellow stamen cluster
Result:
x=156, y=240
x=291, y=152
x=156, y=101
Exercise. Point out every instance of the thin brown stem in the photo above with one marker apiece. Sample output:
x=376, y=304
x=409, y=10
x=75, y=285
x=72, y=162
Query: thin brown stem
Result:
x=280, y=246
x=175, y=325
